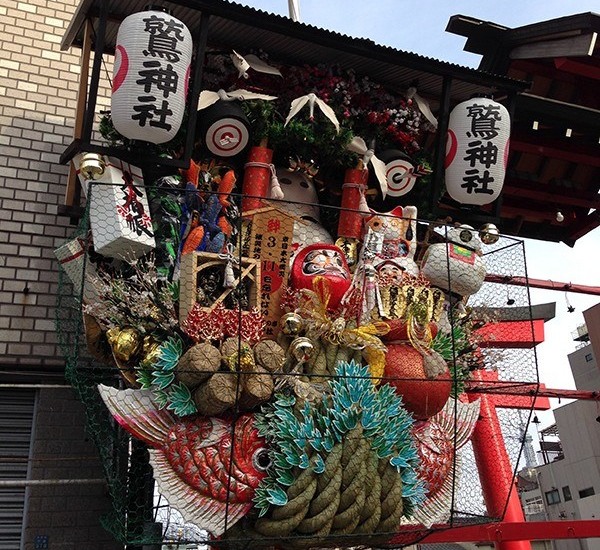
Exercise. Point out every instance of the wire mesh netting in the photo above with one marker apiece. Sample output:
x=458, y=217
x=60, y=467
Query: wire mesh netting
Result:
x=250, y=384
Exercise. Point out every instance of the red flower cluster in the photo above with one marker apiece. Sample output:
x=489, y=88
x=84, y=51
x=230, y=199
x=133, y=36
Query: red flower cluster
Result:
x=219, y=323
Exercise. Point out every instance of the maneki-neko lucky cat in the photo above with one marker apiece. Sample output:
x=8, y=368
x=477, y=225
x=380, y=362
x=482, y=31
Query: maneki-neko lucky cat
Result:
x=399, y=229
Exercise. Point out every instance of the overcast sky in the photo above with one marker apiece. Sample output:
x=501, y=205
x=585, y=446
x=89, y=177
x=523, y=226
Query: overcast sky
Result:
x=419, y=27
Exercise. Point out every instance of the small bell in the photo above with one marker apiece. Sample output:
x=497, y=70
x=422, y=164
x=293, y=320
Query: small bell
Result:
x=150, y=351
x=291, y=324
x=302, y=349
x=125, y=343
x=489, y=234
x=92, y=166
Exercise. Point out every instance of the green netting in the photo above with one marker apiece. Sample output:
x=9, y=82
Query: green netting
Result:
x=350, y=468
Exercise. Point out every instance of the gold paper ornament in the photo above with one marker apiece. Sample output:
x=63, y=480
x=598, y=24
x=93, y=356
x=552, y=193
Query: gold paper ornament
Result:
x=350, y=248
x=302, y=349
x=489, y=234
x=291, y=324
x=92, y=166
x=125, y=343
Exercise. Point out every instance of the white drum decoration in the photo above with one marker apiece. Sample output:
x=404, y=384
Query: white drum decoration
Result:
x=477, y=151
x=152, y=67
x=456, y=266
x=399, y=172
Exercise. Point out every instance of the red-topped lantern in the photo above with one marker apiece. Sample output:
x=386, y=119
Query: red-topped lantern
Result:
x=152, y=63
x=477, y=151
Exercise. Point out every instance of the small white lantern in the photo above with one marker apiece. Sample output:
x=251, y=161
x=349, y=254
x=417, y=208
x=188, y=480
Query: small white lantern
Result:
x=477, y=151
x=152, y=64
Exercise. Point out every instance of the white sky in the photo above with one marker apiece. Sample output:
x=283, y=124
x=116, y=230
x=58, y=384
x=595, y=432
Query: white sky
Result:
x=419, y=27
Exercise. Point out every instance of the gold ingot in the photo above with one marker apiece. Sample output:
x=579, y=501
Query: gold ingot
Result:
x=291, y=324
x=489, y=234
x=302, y=349
x=125, y=343
x=92, y=166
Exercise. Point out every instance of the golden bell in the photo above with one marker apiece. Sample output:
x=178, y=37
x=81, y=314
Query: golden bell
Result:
x=291, y=324
x=125, y=343
x=150, y=351
x=92, y=166
x=302, y=349
x=489, y=234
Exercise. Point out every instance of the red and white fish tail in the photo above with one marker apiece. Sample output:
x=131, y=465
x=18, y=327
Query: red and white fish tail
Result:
x=464, y=421
x=137, y=413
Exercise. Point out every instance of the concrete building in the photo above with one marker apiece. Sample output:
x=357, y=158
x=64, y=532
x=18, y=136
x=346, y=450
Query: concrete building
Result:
x=567, y=485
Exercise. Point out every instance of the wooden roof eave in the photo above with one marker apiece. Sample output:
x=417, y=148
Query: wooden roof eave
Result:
x=552, y=110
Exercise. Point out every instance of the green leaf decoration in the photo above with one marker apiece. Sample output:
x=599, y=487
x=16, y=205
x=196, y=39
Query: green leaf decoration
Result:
x=162, y=380
x=161, y=398
x=170, y=353
x=302, y=439
x=277, y=496
x=181, y=402
x=144, y=378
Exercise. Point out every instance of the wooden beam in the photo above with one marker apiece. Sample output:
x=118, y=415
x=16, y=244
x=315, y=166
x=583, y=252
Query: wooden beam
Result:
x=584, y=225
x=541, y=69
x=73, y=191
x=556, y=149
x=541, y=283
x=568, y=115
x=576, y=46
x=511, y=334
x=577, y=67
x=515, y=188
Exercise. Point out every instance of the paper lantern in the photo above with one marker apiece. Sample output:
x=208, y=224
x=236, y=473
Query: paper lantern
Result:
x=152, y=64
x=477, y=151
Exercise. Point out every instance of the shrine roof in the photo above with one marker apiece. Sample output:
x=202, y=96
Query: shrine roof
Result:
x=554, y=161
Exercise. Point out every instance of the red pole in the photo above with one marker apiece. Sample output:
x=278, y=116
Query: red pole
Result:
x=495, y=471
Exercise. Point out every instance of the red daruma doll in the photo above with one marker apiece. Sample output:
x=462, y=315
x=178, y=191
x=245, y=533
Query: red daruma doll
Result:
x=322, y=260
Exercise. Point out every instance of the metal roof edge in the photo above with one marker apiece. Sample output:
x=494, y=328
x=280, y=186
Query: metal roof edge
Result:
x=359, y=46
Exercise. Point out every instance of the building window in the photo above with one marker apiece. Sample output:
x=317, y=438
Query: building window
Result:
x=566, y=493
x=589, y=357
x=552, y=497
x=588, y=492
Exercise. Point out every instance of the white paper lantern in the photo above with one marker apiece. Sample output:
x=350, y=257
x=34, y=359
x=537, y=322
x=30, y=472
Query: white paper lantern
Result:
x=477, y=151
x=152, y=64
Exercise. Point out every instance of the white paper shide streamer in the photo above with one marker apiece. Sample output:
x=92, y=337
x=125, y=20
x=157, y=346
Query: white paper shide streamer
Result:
x=152, y=64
